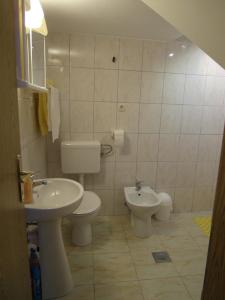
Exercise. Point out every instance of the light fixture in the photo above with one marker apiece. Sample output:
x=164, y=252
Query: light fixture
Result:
x=171, y=54
x=34, y=17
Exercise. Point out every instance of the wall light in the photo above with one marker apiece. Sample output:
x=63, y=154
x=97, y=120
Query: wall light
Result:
x=34, y=16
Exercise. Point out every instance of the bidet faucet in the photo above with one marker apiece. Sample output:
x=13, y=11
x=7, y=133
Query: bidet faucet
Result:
x=138, y=185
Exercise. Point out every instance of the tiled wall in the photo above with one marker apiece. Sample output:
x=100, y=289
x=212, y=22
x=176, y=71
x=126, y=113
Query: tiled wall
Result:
x=168, y=97
x=33, y=145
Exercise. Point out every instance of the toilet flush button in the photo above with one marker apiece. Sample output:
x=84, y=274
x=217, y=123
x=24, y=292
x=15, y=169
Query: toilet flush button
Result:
x=122, y=108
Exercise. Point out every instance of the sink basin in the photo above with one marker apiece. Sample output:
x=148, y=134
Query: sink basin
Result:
x=59, y=197
x=56, y=198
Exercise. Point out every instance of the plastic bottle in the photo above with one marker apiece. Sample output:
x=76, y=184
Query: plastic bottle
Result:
x=35, y=271
x=27, y=189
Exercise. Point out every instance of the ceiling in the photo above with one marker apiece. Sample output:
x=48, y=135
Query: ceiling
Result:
x=130, y=18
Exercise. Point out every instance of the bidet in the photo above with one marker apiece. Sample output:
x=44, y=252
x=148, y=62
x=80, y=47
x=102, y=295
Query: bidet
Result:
x=143, y=204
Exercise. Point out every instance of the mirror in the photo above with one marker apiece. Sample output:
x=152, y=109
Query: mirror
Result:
x=38, y=59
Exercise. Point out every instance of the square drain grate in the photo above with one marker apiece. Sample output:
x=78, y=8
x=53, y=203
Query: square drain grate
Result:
x=161, y=257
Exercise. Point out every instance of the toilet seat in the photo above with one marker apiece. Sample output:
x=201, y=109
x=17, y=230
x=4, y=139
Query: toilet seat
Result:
x=89, y=204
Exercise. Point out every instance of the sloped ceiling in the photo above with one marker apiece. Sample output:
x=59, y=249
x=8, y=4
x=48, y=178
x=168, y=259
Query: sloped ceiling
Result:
x=202, y=21
x=130, y=18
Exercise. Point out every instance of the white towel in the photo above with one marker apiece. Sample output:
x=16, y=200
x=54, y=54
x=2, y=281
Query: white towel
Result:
x=54, y=113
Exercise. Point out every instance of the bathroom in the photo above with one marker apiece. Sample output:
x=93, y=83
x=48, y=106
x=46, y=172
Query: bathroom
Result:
x=153, y=105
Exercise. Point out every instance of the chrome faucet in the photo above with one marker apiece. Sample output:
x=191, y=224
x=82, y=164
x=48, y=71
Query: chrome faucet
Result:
x=35, y=182
x=138, y=185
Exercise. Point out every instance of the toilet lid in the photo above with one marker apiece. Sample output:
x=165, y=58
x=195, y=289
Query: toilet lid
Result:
x=90, y=203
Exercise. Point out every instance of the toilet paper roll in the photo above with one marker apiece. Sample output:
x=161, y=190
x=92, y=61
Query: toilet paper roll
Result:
x=118, y=136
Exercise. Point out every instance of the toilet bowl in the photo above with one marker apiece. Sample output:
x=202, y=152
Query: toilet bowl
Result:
x=82, y=218
x=143, y=204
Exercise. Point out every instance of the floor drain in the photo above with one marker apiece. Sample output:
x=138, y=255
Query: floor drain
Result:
x=161, y=257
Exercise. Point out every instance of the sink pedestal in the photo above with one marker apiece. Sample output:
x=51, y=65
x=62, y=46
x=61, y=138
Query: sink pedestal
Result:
x=55, y=271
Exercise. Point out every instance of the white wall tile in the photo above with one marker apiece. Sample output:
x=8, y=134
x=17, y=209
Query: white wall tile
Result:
x=57, y=46
x=105, y=178
x=148, y=145
x=176, y=57
x=125, y=174
x=53, y=149
x=104, y=116
x=128, y=152
x=188, y=148
x=194, y=90
x=197, y=61
x=107, y=202
x=171, y=107
x=82, y=51
x=203, y=199
x=215, y=90
x=205, y=174
x=214, y=68
x=120, y=207
x=171, y=118
x=208, y=148
x=149, y=118
x=81, y=136
x=81, y=84
x=64, y=116
x=127, y=119
x=129, y=86
x=151, y=87
x=154, y=54
x=168, y=147
x=59, y=77
x=130, y=54
x=191, y=119
x=212, y=120
x=185, y=175
x=166, y=175
x=81, y=116
x=105, y=49
x=146, y=172
x=106, y=85
x=183, y=200
x=173, y=90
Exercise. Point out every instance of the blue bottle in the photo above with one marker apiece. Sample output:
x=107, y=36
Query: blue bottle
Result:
x=35, y=271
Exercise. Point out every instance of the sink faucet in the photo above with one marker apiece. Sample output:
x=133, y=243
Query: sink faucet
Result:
x=35, y=182
x=138, y=185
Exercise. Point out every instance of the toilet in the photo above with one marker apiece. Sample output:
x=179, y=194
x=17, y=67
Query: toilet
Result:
x=82, y=157
x=143, y=204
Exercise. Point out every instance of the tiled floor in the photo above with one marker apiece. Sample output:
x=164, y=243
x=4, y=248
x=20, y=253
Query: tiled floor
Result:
x=119, y=266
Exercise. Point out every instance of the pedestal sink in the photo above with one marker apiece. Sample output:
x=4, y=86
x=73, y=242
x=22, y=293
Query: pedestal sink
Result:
x=56, y=198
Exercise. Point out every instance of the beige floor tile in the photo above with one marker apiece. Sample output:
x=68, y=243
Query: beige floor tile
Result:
x=194, y=285
x=164, y=289
x=142, y=257
x=110, y=246
x=113, y=267
x=72, y=249
x=152, y=243
x=186, y=254
x=202, y=240
x=119, y=291
x=82, y=268
x=160, y=270
x=84, y=292
x=190, y=267
x=179, y=242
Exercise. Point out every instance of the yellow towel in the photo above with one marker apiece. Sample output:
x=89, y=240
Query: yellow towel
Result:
x=42, y=112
